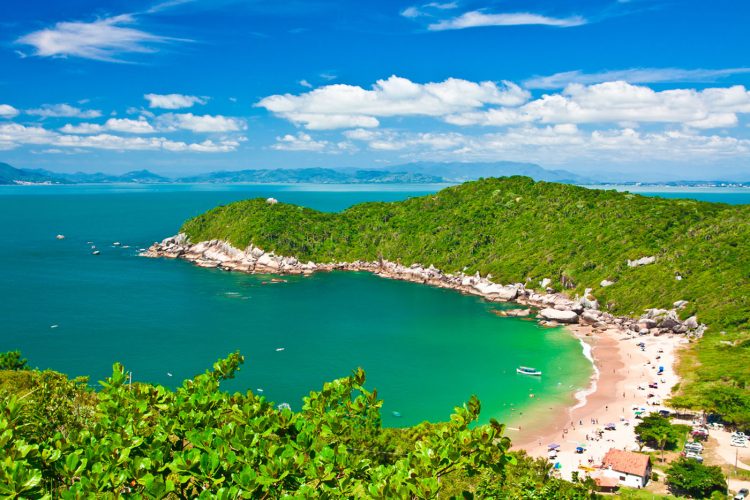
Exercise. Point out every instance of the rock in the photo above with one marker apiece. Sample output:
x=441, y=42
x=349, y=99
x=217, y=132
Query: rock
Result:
x=559, y=316
x=647, y=323
x=643, y=261
x=545, y=283
x=680, y=304
x=605, y=283
x=495, y=291
x=516, y=313
x=691, y=323
x=590, y=316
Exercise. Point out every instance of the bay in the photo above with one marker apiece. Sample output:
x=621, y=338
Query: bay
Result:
x=425, y=350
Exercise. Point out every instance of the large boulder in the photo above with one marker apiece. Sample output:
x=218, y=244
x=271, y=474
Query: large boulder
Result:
x=559, y=316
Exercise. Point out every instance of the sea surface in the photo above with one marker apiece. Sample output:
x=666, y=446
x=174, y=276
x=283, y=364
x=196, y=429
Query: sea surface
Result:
x=425, y=350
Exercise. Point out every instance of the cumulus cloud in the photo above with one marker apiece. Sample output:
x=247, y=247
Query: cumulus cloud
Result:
x=299, y=142
x=63, y=111
x=478, y=18
x=632, y=75
x=7, y=111
x=200, y=123
x=613, y=102
x=349, y=106
x=13, y=135
x=173, y=101
x=103, y=39
x=127, y=125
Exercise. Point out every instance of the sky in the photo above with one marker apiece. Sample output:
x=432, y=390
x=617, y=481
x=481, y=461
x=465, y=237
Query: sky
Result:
x=626, y=89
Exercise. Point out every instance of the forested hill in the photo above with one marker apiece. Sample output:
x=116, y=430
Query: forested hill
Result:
x=519, y=230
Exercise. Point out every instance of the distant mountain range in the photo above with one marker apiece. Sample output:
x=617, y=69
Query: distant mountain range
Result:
x=416, y=173
x=419, y=173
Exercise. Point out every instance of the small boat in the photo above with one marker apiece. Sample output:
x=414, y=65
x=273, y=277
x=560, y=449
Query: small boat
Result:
x=279, y=349
x=60, y=236
x=95, y=252
x=525, y=370
x=116, y=244
x=396, y=414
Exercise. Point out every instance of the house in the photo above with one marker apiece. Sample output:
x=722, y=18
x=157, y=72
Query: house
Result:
x=631, y=469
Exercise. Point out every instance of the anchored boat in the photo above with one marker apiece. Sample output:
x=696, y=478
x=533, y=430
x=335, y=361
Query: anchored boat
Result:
x=525, y=370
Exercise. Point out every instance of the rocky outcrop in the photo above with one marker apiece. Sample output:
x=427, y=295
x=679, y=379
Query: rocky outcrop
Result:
x=643, y=261
x=554, y=307
x=564, y=316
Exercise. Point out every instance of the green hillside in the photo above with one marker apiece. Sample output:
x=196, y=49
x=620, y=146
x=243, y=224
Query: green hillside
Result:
x=519, y=230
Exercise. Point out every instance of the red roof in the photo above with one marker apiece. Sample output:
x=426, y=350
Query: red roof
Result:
x=627, y=462
x=606, y=482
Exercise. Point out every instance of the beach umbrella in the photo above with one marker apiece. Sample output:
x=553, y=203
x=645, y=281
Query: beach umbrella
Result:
x=558, y=465
x=553, y=446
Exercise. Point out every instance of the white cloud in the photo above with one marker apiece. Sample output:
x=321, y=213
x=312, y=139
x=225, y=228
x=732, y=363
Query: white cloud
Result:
x=63, y=111
x=173, y=101
x=347, y=106
x=426, y=9
x=388, y=140
x=613, y=102
x=102, y=39
x=556, y=144
x=632, y=75
x=305, y=84
x=200, y=123
x=13, y=135
x=477, y=18
x=127, y=125
x=7, y=111
x=299, y=142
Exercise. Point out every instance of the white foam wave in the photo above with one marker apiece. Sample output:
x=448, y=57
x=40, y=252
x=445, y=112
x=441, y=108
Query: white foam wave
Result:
x=582, y=395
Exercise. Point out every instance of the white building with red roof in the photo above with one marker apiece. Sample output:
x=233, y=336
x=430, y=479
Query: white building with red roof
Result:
x=631, y=469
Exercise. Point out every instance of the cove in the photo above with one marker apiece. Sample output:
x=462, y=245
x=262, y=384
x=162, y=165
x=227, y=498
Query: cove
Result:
x=425, y=350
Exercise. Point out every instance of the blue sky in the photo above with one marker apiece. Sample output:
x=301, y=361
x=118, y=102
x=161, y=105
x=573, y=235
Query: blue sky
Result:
x=646, y=89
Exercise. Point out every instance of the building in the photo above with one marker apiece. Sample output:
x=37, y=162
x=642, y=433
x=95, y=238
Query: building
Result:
x=631, y=469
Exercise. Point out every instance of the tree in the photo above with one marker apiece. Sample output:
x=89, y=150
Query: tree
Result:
x=688, y=476
x=658, y=432
x=12, y=360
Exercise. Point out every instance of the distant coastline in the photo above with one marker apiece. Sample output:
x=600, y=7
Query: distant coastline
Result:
x=410, y=173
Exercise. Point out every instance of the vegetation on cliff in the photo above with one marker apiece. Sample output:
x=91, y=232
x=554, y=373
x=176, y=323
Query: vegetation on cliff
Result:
x=518, y=230
x=60, y=439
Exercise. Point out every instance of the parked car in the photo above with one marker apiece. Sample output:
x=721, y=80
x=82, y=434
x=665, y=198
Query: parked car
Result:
x=694, y=447
x=694, y=456
x=742, y=494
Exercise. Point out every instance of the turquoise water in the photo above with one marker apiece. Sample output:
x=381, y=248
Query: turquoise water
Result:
x=425, y=350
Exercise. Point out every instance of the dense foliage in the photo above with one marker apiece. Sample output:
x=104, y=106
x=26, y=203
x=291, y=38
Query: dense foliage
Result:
x=519, y=230
x=658, y=432
x=690, y=477
x=12, y=360
x=60, y=439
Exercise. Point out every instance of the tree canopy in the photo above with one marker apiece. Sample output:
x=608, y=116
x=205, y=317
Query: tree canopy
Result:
x=59, y=438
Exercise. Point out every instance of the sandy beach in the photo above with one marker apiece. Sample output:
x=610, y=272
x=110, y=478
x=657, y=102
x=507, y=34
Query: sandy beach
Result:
x=619, y=388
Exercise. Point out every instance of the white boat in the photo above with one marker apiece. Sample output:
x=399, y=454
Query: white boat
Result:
x=525, y=370
x=95, y=252
x=60, y=236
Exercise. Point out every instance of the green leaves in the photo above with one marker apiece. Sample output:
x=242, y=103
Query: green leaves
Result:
x=200, y=442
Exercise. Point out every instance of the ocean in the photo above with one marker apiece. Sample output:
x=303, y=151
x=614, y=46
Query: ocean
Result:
x=425, y=350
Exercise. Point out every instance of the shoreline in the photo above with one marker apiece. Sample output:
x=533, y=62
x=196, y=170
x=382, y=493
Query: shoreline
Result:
x=620, y=390
x=607, y=341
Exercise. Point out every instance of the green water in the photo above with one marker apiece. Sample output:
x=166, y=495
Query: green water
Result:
x=426, y=350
